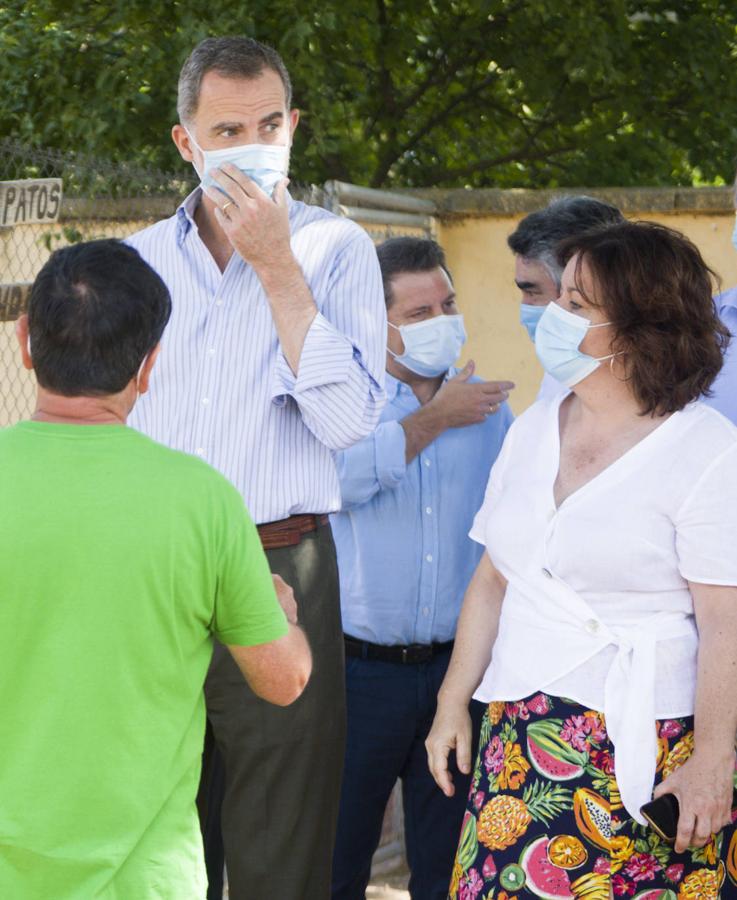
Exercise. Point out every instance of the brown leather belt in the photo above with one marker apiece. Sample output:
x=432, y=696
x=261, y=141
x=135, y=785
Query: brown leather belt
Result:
x=289, y=532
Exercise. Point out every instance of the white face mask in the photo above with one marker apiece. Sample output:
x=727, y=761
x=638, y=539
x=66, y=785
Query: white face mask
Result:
x=266, y=164
x=557, y=338
x=431, y=347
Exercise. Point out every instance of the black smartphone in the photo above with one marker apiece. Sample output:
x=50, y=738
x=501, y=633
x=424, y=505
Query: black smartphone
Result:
x=662, y=816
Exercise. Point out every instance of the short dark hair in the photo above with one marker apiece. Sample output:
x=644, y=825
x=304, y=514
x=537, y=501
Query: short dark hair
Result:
x=95, y=311
x=232, y=57
x=538, y=234
x=408, y=254
x=656, y=289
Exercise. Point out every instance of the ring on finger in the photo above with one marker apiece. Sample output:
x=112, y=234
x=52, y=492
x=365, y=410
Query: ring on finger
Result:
x=225, y=205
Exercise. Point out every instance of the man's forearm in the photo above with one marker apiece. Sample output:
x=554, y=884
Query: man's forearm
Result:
x=292, y=307
x=421, y=428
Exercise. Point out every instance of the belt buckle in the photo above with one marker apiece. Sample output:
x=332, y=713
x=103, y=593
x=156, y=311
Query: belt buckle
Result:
x=417, y=653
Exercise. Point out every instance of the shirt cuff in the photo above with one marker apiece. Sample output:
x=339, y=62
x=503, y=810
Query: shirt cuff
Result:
x=325, y=359
x=390, y=443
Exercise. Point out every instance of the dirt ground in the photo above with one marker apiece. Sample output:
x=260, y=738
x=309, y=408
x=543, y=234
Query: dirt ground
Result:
x=389, y=887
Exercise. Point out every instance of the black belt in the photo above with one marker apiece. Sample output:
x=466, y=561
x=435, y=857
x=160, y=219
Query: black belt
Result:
x=407, y=654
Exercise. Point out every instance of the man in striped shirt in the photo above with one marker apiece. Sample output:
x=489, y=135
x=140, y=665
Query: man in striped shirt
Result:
x=272, y=360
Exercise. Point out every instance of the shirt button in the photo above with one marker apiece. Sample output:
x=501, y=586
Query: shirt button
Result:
x=218, y=303
x=425, y=610
x=547, y=573
x=427, y=462
x=205, y=401
x=211, y=351
x=200, y=451
x=592, y=626
x=428, y=510
x=429, y=557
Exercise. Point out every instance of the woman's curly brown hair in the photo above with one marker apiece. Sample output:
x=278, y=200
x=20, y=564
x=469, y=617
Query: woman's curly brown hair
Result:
x=656, y=289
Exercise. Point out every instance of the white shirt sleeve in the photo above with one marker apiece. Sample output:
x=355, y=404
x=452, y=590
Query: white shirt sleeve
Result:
x=706, y=525
x=493, y=486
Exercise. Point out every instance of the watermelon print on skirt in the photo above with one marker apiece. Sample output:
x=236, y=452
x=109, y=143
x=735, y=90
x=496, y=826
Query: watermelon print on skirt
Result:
x=544, y=817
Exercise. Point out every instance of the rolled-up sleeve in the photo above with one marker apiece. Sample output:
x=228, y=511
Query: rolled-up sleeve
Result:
x=376, y=463
x=339, y=385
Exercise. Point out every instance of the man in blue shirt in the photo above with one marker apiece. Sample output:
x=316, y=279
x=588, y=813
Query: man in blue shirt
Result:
x=724, y=390
x=409, y=495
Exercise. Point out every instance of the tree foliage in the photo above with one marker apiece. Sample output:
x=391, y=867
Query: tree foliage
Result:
x=523, y=93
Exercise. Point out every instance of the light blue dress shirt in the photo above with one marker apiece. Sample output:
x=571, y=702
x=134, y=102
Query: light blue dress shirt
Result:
x=404, y=554
x=222, y=389
x=724, y=389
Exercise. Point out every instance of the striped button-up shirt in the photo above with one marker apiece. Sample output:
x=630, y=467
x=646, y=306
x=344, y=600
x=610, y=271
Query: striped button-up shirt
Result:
x=222, y=388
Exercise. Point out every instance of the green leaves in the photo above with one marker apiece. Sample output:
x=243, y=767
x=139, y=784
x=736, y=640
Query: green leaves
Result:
x=530, y=93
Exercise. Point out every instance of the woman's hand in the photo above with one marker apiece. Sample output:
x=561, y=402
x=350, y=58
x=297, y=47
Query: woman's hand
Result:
x=451, y=730
x=703, y=786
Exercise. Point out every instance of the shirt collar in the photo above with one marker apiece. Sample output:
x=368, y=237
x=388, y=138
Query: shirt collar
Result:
x=187, y=208
x=185, y=214
x=394, y=386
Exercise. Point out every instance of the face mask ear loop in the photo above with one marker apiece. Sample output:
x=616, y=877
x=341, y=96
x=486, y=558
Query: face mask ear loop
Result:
x=138, y=374
x=611, y=365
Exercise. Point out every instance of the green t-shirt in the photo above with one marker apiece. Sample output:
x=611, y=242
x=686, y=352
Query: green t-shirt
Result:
x=119, y=559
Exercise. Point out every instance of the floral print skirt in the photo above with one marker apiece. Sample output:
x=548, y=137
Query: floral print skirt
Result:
x=544, y=816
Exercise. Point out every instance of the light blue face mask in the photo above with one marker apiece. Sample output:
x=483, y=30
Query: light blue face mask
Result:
x=266, y=164
x=431, y=347
x=557, y=338
x=529, y=316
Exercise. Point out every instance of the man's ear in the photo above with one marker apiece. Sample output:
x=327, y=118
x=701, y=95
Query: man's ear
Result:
x=183, y=143
x=21, y=333
x=145, y=373
x=293, y=122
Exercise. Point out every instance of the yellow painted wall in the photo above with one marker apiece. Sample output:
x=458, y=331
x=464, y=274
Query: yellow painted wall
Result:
x=482, y=267
x=483, y=271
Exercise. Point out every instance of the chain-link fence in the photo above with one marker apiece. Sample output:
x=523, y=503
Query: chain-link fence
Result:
x=49, y=199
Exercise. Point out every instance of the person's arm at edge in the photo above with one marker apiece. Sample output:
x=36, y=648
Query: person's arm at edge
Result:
x=477, y=630
x=704, y=784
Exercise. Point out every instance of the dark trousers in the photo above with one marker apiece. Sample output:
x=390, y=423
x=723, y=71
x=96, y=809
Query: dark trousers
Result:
x=282, y=766
x=390, y=711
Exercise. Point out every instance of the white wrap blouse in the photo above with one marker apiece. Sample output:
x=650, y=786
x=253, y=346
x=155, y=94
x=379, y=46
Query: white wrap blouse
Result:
x=597, y=606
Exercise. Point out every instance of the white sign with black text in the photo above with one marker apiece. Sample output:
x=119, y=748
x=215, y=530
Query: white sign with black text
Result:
x=31, y=201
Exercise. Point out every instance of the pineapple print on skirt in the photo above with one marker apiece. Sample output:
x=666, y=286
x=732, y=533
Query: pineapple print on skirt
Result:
x=545, y=819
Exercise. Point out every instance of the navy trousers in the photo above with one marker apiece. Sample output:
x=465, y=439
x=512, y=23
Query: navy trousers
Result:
x=390, y=711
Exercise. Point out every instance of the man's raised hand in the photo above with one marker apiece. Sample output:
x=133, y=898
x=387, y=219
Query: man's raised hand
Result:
x=462, y=402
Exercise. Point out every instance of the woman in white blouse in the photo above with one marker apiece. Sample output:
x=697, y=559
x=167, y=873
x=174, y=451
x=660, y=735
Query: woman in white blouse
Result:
x=608, y=593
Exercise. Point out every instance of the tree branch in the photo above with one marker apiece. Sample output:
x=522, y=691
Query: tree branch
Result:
x=437, y=174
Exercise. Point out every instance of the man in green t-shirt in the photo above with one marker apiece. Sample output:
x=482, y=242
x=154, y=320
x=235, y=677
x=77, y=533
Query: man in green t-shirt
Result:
x=120, y=560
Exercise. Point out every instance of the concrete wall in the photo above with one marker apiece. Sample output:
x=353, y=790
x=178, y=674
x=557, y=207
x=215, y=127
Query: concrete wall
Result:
x=474, y=239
